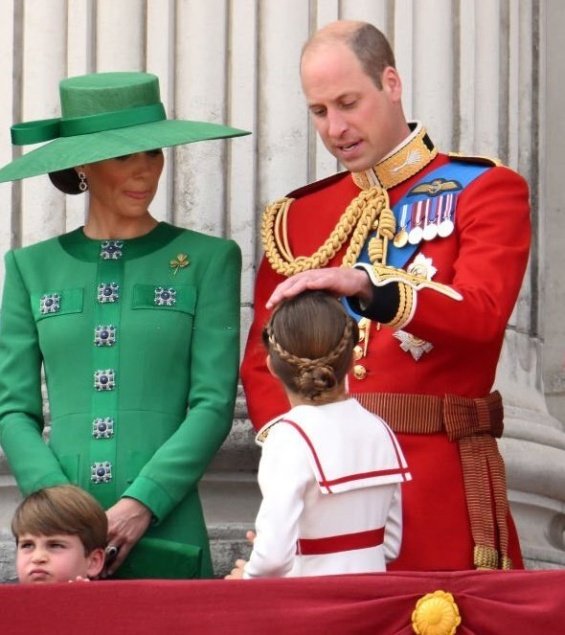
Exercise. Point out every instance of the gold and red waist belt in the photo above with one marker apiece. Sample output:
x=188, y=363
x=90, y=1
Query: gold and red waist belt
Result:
x=342, y=542
x=475, y=424
x=455, y=416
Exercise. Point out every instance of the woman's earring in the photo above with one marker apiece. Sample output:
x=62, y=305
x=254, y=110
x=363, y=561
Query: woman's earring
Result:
x=83, y=184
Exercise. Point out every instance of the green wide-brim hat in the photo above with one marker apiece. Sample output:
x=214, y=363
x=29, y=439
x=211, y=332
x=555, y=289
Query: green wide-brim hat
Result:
x=103, y=116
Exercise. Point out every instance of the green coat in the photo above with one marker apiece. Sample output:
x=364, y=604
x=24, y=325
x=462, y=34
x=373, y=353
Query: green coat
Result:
x=141, y=386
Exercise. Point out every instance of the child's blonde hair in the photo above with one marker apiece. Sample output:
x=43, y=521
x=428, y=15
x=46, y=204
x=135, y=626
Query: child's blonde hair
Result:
x=310, y=339
x=62, y=509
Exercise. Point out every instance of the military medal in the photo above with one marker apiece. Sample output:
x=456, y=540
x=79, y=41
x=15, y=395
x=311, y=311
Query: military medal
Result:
x=401, y=237
x=416, y=234
x=446, y=228
x=430, y=228
x=430, y=231
x=446, y=207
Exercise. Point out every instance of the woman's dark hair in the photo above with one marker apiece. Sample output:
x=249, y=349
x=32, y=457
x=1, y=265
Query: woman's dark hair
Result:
x=66, y=180
x=310, y=339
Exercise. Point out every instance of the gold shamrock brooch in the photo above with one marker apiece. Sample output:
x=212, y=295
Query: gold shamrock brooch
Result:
x=180, y=262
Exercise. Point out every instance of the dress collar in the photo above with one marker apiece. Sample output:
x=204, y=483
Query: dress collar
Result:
x=77, y=244
x=408, y=158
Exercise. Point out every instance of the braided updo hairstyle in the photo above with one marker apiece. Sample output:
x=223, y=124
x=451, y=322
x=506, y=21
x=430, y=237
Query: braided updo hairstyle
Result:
x=310, y=339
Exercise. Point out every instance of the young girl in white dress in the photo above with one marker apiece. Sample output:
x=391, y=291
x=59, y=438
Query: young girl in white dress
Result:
x=330, y=471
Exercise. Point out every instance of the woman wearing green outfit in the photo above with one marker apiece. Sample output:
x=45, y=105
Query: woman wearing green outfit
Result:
x=134, y=321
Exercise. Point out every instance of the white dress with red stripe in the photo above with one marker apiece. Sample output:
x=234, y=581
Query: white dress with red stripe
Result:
x=331, y=479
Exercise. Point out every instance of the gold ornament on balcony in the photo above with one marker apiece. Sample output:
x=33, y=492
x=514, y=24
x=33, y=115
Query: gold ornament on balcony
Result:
x=436, y=614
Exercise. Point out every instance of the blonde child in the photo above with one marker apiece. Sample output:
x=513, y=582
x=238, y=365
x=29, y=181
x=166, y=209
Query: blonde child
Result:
x=330, y=471
x=60, y=536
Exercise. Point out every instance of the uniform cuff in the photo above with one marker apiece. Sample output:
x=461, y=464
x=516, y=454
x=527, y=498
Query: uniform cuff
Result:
x=382, y=307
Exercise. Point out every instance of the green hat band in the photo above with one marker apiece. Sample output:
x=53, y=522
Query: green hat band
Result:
x=49, y=129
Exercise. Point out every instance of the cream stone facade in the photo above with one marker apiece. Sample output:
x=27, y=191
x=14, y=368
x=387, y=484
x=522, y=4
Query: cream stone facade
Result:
x=483, y=75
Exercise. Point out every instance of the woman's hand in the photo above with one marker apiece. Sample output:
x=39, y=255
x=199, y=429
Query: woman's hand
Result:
x=128, y=520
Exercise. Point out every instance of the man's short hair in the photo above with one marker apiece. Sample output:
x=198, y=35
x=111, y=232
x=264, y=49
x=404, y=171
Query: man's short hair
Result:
x=368, y=44
x=373, y=50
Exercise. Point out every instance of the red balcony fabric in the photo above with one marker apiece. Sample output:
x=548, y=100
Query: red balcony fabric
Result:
x=490, y=602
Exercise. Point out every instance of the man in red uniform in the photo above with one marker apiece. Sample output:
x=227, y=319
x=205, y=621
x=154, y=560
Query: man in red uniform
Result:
x=444, y=241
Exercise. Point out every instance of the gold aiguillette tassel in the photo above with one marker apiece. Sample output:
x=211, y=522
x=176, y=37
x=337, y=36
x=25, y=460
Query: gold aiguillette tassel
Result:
x=384, y=275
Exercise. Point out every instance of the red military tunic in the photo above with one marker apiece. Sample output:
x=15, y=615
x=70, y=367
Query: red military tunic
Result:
x=484, y=259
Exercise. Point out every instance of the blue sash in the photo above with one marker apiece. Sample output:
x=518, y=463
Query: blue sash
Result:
x=462, y=173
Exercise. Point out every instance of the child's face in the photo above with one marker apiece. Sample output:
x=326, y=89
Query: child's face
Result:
x=57, y=558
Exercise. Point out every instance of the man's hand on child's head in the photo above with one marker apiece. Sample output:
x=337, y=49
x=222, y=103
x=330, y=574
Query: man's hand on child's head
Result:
x=341, y=281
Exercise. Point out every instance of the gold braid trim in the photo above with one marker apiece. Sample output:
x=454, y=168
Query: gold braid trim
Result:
x=361, y=217
x=474, y=424
x=382, y=274
x=485, y=557
x=386, y=230
x=411, y=156
x=372, y=204
x=406, y=302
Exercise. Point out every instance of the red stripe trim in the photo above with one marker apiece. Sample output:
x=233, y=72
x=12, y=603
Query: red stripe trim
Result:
x=395, y=444
x=351, y=477
x=361, y=476
x=343, y=542
x=323, y=480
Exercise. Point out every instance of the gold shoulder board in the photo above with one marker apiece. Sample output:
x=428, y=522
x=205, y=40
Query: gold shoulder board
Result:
x=475, y=158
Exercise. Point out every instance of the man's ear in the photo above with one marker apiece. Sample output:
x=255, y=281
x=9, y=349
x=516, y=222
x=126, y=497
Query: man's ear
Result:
x=392, y=84
x=95, y=562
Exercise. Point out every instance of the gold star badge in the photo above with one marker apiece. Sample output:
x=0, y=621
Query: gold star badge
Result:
x=411, y=344
x=422, y=267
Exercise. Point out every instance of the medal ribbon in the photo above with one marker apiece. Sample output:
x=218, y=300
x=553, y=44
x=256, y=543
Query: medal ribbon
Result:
x=446, y=207
x=463, y=173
